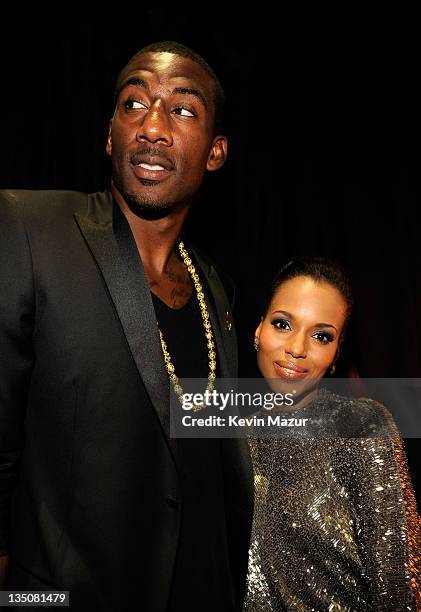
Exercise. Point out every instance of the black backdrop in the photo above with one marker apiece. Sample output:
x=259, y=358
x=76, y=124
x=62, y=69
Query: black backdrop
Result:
x=323, y=121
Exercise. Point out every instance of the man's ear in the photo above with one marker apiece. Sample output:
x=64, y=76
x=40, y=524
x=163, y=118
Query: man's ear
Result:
x=217, y=154
x=109, y=147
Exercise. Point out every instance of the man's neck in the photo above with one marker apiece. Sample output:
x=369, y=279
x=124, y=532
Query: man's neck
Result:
x=167, y=276
x=155, y=239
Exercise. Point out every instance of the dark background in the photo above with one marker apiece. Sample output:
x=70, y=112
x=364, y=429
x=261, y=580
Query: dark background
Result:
x=323, y=121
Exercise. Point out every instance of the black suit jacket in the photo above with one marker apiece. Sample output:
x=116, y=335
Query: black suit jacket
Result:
x=89, y=489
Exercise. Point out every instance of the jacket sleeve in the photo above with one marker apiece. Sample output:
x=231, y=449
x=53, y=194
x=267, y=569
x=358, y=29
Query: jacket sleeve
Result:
x=17, y=308
x=388, y=525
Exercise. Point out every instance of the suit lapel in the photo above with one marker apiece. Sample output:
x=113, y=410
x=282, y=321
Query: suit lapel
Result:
x=236, y=461
x=221, y=318
x=111, y=243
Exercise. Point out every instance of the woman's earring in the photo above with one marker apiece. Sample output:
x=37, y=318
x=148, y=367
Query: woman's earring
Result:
x=332, y=370
x=256, y=343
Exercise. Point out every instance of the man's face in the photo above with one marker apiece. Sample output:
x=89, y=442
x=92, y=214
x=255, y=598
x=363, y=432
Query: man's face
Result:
x=161, y=137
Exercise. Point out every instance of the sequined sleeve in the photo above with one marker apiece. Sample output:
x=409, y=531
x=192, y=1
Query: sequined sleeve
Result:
x=387, y=523
x=335, y=526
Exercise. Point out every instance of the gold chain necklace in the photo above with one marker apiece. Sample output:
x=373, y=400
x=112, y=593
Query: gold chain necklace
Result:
x=208, y=333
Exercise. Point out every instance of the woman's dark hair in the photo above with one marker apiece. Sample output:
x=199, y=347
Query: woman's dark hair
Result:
x=319, y=269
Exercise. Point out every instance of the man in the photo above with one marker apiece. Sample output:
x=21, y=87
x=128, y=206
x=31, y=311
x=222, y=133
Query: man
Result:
x=96, y=498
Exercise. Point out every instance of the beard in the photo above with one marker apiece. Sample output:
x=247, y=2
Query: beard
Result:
x=143, y=205
x=147, y=208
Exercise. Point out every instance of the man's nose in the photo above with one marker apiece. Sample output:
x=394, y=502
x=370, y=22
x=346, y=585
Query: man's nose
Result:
x=296, y=345
x=155, y=125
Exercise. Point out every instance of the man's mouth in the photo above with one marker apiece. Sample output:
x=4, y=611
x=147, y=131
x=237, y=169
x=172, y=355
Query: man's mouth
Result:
x=151, y=165
x=151, y=172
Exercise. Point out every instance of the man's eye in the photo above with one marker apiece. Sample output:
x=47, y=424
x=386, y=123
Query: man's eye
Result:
x=184, y=112
x=134, y=104
x=281, y=324
x=323, y=337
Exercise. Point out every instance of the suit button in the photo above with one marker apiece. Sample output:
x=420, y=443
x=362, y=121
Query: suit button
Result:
x=173, y=503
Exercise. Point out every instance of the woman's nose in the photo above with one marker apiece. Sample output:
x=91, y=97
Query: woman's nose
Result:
x=296, y=346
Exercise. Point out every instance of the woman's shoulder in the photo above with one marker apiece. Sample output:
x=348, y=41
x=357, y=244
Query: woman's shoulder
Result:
x=359, y=416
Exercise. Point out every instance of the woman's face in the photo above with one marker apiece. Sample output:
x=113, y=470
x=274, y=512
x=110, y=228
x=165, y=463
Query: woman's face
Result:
x=299, y=336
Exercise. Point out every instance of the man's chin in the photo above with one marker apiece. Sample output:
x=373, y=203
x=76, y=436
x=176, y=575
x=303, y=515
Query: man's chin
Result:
x=148, y=209
x=152, y=212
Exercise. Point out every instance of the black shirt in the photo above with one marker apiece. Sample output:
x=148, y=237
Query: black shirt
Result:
x=202, y=577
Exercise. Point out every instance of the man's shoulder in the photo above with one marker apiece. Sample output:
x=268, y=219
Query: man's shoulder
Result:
x=41, y=197
x=46, y=203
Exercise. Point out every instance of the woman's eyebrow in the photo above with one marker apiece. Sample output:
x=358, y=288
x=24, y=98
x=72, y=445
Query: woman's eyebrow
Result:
x=325, y=325
x=291, y=316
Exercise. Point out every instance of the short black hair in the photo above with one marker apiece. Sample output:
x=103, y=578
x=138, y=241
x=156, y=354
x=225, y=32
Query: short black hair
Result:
x=171, y=46
x=319, y=269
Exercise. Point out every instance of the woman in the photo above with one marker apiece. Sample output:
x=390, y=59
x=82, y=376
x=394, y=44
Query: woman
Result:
x=335, y=524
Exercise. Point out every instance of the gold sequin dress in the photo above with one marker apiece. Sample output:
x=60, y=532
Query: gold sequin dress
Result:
x=335, y=525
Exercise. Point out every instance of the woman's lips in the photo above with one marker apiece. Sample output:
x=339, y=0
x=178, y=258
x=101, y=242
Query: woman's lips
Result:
x=288, y=370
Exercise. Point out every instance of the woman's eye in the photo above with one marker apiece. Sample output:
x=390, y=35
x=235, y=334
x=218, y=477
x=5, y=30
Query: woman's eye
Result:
x=323, y=337
x=281, y=324
x=133, y=104
x=184, y=112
